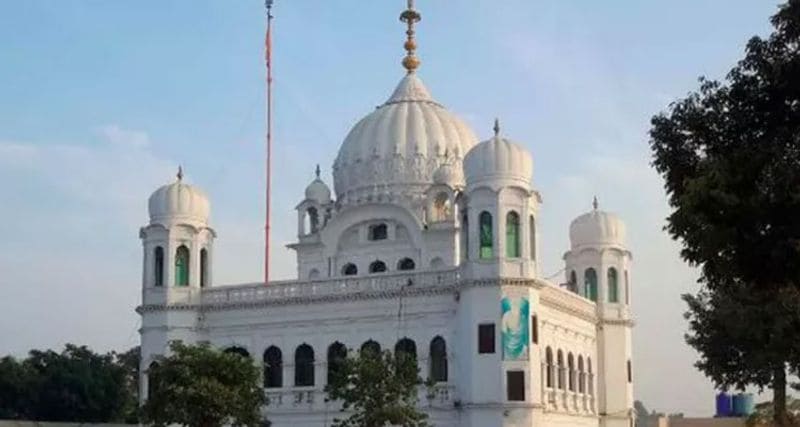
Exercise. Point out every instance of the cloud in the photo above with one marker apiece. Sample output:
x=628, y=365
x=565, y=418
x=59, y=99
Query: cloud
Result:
x=116, y=135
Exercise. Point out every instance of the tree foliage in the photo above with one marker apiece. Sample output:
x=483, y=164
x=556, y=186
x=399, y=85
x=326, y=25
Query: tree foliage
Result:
x=200, y=386
x=76, y=385
x=377, y=389
x=730, y=156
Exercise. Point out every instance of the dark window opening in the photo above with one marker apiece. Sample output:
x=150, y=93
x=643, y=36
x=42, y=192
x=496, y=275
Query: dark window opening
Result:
x=515, y=386
x=238, y=350
x=370, y=349
x=203, y=268
x=630, y=373
x=378, y=232
x=273, y=368
x=337, y=353
x=535, y=329
x=159, y=266
x=406, y=264
x=486, y=338
x=377, y=267
x=304, y=366
x=438, y=356
x=349, y=269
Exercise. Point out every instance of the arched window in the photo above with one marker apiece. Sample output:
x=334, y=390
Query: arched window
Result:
x=273, y=368
x=441, y=206
x=406, y=349
x=486, y=235
x=630, y=372
x=512, y=235
x=590, y=284
x=571, y=372
x=548, y=365
x=370, y=349
x=573, y=282
x=337, y=354
x=349, y=269
x=182, y=266
x=438, y=356
x=312, y=218
x=465, y=235
x=437, y=263
x=377, y=267
x=241, y=351
x=560, y=363
x=581, y=376
x=627, y=289
x=613, y=287
x=406, y=264
x=203, y=268
x=532, y=236
x=590, y=377
x=152, y=380
x=304, y=366
x=158, y=267
x=313, y=274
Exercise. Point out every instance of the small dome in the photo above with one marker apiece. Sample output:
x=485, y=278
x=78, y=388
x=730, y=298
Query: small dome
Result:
x=179, y=202
x=399, y=146
x=597, y=228
x=498, y=158
x=447, y=174
x=319, y=192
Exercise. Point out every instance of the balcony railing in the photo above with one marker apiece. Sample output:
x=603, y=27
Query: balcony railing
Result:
x=287, y=290
x=304, y=398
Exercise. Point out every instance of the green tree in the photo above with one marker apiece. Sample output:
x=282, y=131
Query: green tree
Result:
x=378, y=389
x=199, y=386
x=129, y=362
x=75, y=385
x=15, y=390
x=730, y=157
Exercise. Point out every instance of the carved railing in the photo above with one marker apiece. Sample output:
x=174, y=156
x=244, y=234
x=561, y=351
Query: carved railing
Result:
x=304, y=398
x=383, y=283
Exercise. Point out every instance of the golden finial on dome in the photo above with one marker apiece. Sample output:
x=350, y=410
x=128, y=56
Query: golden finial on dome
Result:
x=410, y=16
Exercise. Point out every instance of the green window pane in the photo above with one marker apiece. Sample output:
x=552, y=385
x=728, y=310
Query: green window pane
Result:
x=512, y=235
x=182, y=266
x=486, y=236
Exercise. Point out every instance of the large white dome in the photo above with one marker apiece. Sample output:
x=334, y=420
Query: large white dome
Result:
x=179, y=202
x=499, y=159
x=597, y=228
x=393, y=152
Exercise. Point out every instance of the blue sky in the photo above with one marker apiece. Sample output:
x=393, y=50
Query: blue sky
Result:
x=102, y=100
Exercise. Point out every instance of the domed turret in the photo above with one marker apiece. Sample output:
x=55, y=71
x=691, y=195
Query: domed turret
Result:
x=179, y=202
x=498, y=158
x=318, y=191
x=597, y=228
x=397, y=148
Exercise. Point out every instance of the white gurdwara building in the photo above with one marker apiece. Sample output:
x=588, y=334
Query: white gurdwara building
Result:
x=430, y=247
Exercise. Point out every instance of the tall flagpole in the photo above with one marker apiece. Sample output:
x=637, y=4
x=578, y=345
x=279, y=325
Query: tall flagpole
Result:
x=268, y=58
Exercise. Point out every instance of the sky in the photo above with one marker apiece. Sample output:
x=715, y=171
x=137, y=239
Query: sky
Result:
x=100, y=101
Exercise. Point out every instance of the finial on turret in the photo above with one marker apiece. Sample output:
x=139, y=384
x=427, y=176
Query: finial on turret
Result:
x=317, y=171
x=410, y=16
x=496, y=127
x=179, y=175
x=594, y=203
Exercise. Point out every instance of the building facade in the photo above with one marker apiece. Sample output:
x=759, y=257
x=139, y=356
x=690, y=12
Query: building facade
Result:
x=429, y=246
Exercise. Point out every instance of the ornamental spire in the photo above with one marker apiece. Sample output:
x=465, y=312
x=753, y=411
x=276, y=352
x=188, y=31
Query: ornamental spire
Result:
x=317, y=171
x=496, y=127
x=594, y=203
x=410, y=16
x=179, y=175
